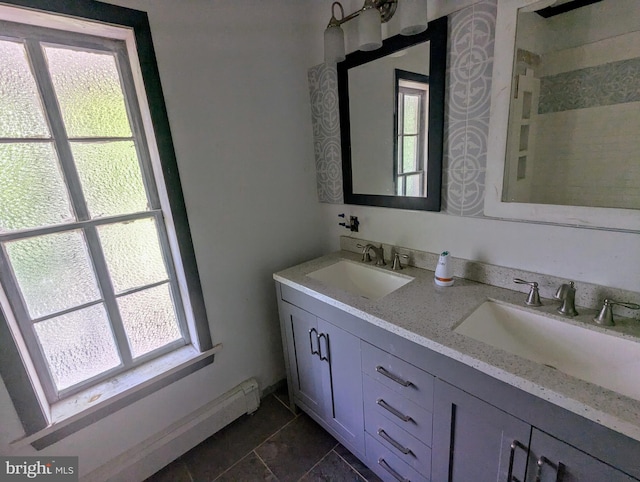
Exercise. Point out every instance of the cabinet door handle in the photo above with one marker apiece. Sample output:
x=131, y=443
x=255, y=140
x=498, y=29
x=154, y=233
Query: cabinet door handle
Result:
x=397, y=445
x=512, y=454
x=314, y=352
x=394, y=411
x=382, y=371
x=383, y=463
x=326, y=339
x=560, y=469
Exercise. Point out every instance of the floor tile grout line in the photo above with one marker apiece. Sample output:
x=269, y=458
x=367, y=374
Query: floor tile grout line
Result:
x=318, y=462
x=266, y=465
x=295, y=417
x=233, y=465
x=255, y=449
x=346, y=462
x=186, y=466
x=288, y=407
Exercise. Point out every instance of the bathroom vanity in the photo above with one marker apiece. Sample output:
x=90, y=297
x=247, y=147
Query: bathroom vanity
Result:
x=389, y=378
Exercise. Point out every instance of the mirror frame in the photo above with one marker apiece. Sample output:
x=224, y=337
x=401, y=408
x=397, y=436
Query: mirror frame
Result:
x=436, y=34
x=575, y=216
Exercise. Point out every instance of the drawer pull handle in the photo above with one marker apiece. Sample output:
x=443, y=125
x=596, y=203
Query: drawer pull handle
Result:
x=311, y=332
x=514, y=445
x=560, y=468
x=382, y=371
x=396, y=445
x=383, y=463
x=394, y=411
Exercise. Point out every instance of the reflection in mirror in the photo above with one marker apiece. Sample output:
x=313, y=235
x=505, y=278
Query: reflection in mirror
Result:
x=411, y=124
x=574, y=116
x=384, y=133
x=391, y=121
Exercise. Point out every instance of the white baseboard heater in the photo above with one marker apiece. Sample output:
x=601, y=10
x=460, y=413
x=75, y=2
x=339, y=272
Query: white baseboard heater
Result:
x=149, y=456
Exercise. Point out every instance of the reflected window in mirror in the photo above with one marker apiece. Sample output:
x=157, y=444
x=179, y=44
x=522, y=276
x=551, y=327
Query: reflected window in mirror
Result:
x=411, y=124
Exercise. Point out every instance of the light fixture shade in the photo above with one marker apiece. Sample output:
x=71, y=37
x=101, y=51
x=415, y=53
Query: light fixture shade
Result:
x=369, y=30
x=413, y=16
x=333, y=44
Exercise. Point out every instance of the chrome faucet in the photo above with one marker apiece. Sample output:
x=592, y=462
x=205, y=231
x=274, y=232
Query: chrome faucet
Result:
x=567, y=294
x=377, y=252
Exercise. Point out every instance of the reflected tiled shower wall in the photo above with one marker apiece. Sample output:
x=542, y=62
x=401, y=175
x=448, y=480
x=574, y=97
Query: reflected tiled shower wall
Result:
x=469, y=70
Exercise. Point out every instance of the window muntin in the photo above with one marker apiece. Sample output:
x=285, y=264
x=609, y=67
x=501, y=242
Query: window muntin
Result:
x=412, y=100
x=86, y=218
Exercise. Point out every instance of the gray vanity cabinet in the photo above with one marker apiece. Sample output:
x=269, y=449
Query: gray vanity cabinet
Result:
x=552, y=460
x=325, y=366
x=472, y=440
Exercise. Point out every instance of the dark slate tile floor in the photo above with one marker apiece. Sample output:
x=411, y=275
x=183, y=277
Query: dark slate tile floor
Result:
x=273, y=445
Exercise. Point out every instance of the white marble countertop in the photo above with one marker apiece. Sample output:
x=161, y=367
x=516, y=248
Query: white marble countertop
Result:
x=426, y=314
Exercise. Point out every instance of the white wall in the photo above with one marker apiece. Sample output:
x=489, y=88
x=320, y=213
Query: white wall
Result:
x=602, y=257
x=234, y=74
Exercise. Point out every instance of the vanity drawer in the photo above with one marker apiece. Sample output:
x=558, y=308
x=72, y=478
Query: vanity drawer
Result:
x=379, y=400
x=387, y=466
x=399, y=442
x=400, y=376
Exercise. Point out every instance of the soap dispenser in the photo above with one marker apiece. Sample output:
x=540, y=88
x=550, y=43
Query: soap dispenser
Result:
x=444, y=271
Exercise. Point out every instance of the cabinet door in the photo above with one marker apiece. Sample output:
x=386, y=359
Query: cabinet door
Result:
x=342, y=382
x=304, y=361
x=555, y=461
x=473, y=440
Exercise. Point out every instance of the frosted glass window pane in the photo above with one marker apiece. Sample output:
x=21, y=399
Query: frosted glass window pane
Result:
x=409, y=154
x=78, y=345
x=413, y=185
x=149, y=319
x=133, y=254
x=21, y=113
x=111, y=177
x=32, y=191
x=53, y=272
x=88, y=88
x=411, y=109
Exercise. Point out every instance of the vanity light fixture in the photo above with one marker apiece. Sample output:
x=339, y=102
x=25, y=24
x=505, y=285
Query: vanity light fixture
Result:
x=413, y=20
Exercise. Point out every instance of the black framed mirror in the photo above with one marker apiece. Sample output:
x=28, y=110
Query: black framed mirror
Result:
x=392, y=121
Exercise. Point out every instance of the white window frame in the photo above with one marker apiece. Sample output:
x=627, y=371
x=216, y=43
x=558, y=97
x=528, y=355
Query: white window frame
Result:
x=47, y=415
x=411, y=84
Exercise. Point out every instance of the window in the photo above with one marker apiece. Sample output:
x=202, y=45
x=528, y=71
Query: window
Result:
x=96, y=262
x=412, y=100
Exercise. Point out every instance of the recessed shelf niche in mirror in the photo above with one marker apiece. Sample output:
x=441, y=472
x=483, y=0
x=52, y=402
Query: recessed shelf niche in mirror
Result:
x=565, y=114
x=391, y=121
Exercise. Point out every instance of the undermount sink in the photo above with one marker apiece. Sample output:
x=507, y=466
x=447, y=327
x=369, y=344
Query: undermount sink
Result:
x=367, y=281
x=605, y=360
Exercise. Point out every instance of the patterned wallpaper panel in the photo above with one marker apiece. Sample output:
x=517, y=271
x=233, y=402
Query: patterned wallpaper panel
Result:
x=607, y=84
x=325, y=116
x=469, y=69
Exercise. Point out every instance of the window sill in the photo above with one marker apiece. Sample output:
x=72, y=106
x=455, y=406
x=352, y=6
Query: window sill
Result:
x=84, y=408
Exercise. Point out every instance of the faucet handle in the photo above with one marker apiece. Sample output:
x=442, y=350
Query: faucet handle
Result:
x=605, y=317
x=533, y=299
x=397, y=265
x=366, y=257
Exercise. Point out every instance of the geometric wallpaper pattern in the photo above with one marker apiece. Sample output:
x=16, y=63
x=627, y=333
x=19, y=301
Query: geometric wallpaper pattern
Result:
x=467, y=104
x=323, y=86
x=607, y=84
